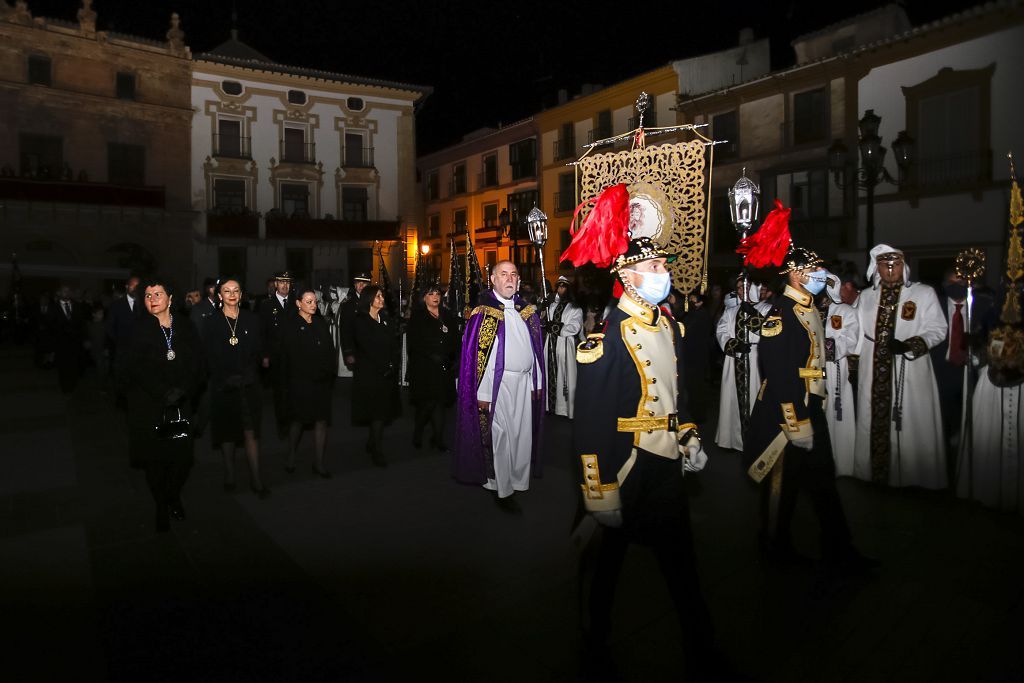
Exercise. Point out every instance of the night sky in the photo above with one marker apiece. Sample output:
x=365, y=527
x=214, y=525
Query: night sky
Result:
x=488, y=62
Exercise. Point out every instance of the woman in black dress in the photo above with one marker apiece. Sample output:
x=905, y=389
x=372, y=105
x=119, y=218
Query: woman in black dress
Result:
x=159, y=372
x=375, y=400
x=234, y=350
x=309, y=365
x=433, y=344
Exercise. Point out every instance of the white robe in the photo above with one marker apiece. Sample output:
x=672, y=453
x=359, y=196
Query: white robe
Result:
x=512, y=426
x=995, y=476
x=918, y=451
x=563, y=378
x=729, y=433
x=839, y=404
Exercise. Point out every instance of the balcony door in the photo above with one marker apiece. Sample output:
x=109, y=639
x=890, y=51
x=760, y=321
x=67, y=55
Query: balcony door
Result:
x=229, y=138
x=295, y=200
x=294, y=144
x=355, y=151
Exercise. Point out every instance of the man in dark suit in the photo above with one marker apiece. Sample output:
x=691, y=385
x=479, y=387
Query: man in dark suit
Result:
x=347, y=316
x=121, y=317
x=950, y=358
x=65, y=326
x=206, y=307
x=275, y=311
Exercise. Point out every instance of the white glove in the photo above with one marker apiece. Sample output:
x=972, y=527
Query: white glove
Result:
x=694, y=460
x=609, y=518
x=806, y=443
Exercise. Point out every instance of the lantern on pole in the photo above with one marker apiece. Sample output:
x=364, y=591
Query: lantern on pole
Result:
x=537, y=225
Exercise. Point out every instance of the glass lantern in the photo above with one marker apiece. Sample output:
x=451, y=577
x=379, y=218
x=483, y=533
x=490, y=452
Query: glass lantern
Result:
x=744, y=201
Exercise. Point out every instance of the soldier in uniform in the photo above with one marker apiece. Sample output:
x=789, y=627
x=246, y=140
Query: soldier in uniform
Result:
x=634, y=441
x=788, y=440
x=347, y=319
x=274, y=311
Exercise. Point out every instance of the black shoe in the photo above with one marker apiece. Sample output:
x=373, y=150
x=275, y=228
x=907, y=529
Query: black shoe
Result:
x=851, y=563
x=378, y=460
x=176, y=510
x=417, y=441
x=323, y=474
x=230, y=487
x=290, y=469
x=262, y=493
x=785, y=556
x=508, y=505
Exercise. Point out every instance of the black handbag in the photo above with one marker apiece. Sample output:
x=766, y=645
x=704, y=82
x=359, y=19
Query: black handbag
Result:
x=174, y=425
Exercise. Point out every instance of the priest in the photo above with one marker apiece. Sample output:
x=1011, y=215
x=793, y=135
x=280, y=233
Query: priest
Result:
x=899, y=428
x=500, y=392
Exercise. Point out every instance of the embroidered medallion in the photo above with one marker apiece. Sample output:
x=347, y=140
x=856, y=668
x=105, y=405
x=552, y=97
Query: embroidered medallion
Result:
x=837, y=322
x=909, y=310
x=170, y=354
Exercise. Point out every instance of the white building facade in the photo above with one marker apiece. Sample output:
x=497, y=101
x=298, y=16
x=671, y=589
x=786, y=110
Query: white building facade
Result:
x=300, y=170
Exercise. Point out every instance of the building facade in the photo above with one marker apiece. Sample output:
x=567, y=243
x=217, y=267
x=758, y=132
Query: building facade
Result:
x=298, y=169
x=94, y=152
x=482, y=186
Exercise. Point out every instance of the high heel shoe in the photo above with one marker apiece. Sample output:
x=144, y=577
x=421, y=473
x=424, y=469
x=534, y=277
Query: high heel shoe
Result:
x=323, y=474
x=230, y=487
x=261, y=493
x=290, y=469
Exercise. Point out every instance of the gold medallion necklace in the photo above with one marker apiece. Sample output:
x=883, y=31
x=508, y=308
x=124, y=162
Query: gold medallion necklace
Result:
x=233, y=339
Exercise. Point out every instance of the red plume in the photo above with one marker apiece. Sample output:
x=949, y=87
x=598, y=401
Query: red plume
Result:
x=617, y=289
x=605, y=233
x=768, y=246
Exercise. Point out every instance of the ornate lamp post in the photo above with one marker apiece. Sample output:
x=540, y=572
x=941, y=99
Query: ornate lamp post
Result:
x=537, y=224
x=510, y=227
x=872, y=169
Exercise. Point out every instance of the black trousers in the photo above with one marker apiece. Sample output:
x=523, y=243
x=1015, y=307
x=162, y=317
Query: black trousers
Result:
x=655, y=514
x=812, y=472
x=166, y=479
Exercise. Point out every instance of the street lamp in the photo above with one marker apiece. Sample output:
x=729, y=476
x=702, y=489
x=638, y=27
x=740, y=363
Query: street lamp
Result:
x=744, y=202
x=537, y=224
x=510, y=227
x=425, y=249
x=871, y=170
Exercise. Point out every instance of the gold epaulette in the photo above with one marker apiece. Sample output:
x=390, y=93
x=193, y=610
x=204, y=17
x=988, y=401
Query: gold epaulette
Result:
x=772, y=326
x=591, y=349
x=527, y=312
x=491, y=311
x=682, y=329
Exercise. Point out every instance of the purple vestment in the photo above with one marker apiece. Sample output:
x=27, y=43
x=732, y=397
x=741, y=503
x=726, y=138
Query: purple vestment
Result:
x=472, y=459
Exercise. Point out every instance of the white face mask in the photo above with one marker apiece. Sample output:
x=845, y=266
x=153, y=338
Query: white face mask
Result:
x=655, y=286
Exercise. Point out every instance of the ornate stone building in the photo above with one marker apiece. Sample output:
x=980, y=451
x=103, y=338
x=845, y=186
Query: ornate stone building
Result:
x=299, y=169
x=94, y=152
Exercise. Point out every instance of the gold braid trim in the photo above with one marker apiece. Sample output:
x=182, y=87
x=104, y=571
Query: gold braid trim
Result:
x=490, y=311
x=527, y=312
x=488, y=330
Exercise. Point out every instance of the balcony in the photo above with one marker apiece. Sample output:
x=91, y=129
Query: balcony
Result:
x=565, y=202
x=243, y=225
x=457, y=186
x=951, y=172
x=298, y=153
x=357, y=157
x=232, y=147
x=485, y=180
x=563, y=149
x=282, y=228
x=650, y=121
x=524, y=169
x=598, y=134
x=71, y=192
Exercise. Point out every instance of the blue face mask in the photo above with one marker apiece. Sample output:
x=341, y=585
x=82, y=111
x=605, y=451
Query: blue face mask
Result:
x=817, y=283
x=655, y=287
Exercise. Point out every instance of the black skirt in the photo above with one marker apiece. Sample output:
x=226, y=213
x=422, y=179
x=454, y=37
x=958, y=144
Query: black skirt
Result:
x=233, y=411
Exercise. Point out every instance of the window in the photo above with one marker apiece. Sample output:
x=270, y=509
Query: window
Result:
x=491, y=215
x=432, y=186
x=125, y=85
x=299, y=262
x=566, y=240
x=295, y=200
x=360, y=260
x=357, y=155
x=126, y=164
x=231, y=87
x=565, y=198
x=39, y=69
x=296, y=97
x=434, y=225
x=602, y=126
x=565, y=145
x=810, y=117
x=458, y=220
x=492, y=260
x=229, y=195
x=229, y=141
x=458, y=179
x=726, y=127
x=490, y=172
x=42, y=156
x=295, y=148
x=522, y=156
x=723, y=236
x=355, y=103
x=354, y=201
x=807, y=193
x=231, y=261
x=949, y=117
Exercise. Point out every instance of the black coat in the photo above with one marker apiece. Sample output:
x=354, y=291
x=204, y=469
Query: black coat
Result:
x=375, y=377
x=433, y=356
x=309, y=364
x=274, y=318
x=121, y=321
x=201, y=312
x=347, y=323
x=152, y=384
x=234, y=371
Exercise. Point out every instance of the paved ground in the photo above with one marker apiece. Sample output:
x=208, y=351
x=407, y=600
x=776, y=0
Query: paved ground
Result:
x=378, y=574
